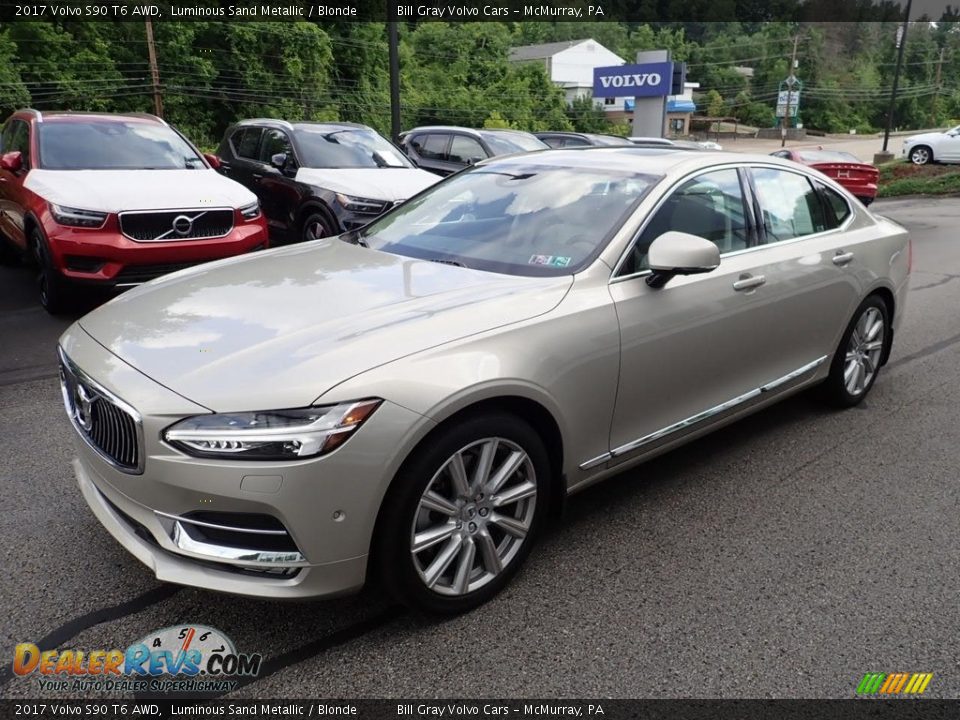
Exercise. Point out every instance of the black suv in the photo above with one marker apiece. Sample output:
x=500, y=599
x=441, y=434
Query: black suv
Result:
x=446, y=149
x=318, y=179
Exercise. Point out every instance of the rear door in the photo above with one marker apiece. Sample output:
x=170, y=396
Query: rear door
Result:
x=431, y=152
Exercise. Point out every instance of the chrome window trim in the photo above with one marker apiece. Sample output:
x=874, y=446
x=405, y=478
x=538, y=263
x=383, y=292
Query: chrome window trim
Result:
x=614, y=278
x=701, y=416
x=120, y=403
x=233, y=223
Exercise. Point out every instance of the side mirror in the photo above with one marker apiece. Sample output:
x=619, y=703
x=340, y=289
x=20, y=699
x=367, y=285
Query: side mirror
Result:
x=212, y=160
x=11, y=161
x=679, y=253
x=279, y=160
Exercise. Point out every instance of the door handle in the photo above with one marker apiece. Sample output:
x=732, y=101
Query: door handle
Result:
x=842, y=258
x=748, y=282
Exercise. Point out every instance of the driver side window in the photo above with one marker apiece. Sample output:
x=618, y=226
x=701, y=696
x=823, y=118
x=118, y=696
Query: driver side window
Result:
x=710, y=206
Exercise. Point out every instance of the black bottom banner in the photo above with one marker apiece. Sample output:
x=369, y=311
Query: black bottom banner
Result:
x=488, y=709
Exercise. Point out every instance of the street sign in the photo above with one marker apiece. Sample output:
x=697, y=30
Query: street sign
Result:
x=783, y=100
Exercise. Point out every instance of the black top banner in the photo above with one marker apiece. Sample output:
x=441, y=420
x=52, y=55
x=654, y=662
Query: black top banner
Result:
x=640, y=11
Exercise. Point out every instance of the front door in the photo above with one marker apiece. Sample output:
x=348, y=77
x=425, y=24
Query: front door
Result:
x=706, y=345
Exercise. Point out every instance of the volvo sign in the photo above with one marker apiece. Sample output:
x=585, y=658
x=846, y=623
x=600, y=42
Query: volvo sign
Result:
x=647, y=80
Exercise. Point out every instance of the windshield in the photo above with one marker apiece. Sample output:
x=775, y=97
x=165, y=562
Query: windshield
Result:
x=506, y=143
x=518, y=219
x=114, y=145
x=326, y=147
x=821, y=156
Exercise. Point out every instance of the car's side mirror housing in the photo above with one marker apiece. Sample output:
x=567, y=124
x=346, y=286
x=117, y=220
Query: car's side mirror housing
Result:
x=212, y=160
x=279, y=160
x=11, y=161
x=679, y=253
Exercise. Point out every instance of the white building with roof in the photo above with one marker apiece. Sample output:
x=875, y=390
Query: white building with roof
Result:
x=570, y=65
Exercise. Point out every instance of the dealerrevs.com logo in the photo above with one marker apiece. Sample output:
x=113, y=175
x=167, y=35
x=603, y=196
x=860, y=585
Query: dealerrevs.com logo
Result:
x=191, y=658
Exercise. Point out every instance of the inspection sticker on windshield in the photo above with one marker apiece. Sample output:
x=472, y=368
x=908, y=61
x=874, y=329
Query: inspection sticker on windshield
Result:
x=551, y=260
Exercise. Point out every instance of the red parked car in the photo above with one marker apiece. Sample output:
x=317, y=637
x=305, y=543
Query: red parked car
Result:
x=857, y=177
x=114, y=200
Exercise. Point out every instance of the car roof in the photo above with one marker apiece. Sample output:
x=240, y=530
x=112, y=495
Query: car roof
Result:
x=79, y=116
x=661, y=160
x=467, y=130
x=287, y=125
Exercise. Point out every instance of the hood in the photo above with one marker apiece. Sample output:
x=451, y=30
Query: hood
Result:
x=119, y=190
x=393, y=184
x=279, y=328
x=924, y=137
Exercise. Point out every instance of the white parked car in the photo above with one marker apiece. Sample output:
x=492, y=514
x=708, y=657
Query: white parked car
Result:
x=933, y=147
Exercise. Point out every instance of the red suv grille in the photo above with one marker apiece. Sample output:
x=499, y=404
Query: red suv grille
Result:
x=173, y=225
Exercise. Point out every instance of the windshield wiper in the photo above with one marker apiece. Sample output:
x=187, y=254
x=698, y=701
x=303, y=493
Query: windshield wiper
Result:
x=446, y=262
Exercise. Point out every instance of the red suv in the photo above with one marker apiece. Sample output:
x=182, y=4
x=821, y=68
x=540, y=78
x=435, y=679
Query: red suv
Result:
x=114, y=200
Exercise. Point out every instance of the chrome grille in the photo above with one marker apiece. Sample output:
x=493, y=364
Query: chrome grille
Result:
x=105, y=422
x=173, y=225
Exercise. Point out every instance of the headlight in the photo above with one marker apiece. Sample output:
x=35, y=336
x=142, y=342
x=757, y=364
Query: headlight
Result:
x=251, y=211
x=362, y=205
x=272, y=434
x=75, y=217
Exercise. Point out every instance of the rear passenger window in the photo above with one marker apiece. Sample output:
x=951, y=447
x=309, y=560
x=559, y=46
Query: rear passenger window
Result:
x=430, y=147
x=837, y=209
x=791, y=207
x=246, y=141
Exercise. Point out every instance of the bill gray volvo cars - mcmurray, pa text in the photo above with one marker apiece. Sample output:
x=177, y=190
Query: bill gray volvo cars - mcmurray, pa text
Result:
x=413, y=399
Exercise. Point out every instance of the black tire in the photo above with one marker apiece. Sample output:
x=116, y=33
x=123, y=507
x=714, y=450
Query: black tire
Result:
x=865, y=200
x=836, y=390
x=921, y=155
x=55, y=291
x=316, y=224
x=9, y=255
x=395, y=564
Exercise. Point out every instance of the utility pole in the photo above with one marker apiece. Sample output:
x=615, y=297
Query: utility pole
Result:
x=154, y=72
x=393, y=42
x=936, y=94
x=791, y=81
x=901, y=44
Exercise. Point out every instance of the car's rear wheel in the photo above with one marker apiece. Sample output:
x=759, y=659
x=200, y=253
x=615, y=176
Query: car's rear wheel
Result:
x=316, y=225
x=463, y=514
x=857, y=360
x=921, y=155
x=54, y=288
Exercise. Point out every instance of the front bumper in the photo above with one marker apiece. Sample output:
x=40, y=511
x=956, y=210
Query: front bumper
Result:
x=327, y=506
x=107, y=257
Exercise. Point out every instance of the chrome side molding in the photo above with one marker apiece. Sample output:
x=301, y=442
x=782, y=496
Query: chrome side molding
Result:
x=701, y=416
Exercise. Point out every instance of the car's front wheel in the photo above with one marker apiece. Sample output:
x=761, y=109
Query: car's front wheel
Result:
x=316, y=225
x=54, y=288
x=463, y=513
x=921, y=155
x=857, y=360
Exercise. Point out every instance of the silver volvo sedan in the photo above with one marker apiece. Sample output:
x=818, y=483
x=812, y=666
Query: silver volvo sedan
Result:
x=411, y=401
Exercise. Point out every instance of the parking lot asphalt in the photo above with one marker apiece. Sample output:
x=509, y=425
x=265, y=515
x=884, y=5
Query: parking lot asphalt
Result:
x=783, y=556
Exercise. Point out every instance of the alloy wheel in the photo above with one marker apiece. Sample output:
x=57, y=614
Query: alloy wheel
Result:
x=920, y=156
x=863, y=352
x=314, y=230
x=474, y=516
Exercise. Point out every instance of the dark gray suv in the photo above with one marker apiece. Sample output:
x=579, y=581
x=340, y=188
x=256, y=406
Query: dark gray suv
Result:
x=444, y=149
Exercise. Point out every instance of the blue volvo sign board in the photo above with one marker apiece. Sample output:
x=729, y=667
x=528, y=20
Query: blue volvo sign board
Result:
x=647, y=80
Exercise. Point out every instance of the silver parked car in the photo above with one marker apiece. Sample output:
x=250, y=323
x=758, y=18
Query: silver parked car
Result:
x=413, y=399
